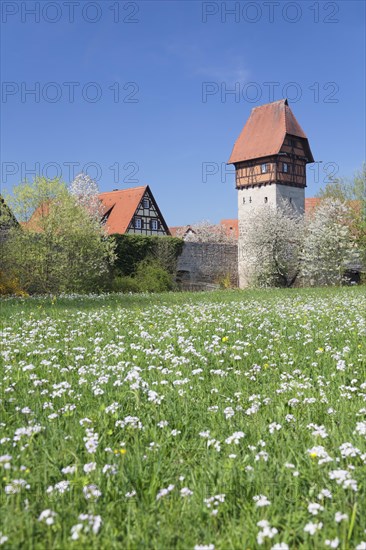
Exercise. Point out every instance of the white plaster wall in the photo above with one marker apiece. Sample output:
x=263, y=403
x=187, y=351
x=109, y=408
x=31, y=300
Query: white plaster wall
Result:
x=257, y=194
x=296, y=194
x=276, y=194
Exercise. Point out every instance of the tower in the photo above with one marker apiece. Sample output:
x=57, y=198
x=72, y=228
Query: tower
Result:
x=270, y=157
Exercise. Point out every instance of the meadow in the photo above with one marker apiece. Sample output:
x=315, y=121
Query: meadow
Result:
x=230, y=420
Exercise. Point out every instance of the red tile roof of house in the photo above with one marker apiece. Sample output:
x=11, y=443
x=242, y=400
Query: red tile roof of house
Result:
x=180, y=230
x=264, y=132
x=122, y=205
x=311, y=203
x=231, y=226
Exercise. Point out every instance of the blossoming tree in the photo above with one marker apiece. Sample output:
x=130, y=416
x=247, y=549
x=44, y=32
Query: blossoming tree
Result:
x=269, y=244
x=329, y=248
x=60, y=245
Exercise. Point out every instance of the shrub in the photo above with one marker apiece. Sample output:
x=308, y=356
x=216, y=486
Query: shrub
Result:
x=10, y=286
x=60, y=247
x=225, y=281
x=131, y=250
x=125, y=284
x=150, y=276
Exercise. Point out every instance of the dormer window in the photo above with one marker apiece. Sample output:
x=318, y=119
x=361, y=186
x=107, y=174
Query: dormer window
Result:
x=146, y=203
x=264, y=168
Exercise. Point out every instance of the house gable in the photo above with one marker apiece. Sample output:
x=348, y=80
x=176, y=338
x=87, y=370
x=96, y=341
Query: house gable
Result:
x=132, y=211
x=147, y=218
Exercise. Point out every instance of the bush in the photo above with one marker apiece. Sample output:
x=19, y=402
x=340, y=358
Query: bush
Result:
x=150, y=276
x=60, y=247
x=131, y=250
x=226, y=282
x=125, y=284
x=9, y=286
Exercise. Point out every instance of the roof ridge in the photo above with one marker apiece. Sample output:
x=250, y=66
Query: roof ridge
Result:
x=120, y=190
x=283, y=100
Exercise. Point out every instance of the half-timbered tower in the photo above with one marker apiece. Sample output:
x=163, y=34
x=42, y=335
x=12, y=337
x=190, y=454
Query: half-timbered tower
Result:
x=132, y=211
x=270, y=157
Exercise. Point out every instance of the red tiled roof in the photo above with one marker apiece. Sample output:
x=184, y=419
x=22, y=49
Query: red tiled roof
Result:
x=122, y=205
x=264, y=132
x=231, y=226
x=311, y=203
x=180, y=230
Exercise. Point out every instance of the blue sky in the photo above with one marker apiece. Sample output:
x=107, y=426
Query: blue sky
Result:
x=139, y=91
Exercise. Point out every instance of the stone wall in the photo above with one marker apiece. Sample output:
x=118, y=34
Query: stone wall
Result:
x=204, y=265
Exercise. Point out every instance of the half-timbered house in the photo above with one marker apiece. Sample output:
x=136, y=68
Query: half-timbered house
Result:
x=132, y=211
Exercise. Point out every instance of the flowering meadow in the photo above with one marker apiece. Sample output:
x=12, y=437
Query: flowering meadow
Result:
x=231, y=420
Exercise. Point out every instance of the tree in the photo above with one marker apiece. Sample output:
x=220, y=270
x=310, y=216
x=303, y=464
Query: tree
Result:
x=86, y=191
x=269, y=244
x=346, y=189
x=329, y=248
x=352, y=191
x=59, y=246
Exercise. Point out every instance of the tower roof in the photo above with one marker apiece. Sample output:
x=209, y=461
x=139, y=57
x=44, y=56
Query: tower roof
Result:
x=265, y=130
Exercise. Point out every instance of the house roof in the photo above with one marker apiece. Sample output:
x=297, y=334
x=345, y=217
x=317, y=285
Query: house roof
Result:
x=117, y=207
x=264, y=132
x=311, y=203
x=120, y=206
x=231, y=227
x=180, y=230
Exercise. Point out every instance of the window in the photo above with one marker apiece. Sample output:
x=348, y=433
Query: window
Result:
x=138, y=223
x=285, y=167
x=243, y=200
x=146, y=203
x=265, y=199
x=263, y=168
x=250, y=199
x=154, y=224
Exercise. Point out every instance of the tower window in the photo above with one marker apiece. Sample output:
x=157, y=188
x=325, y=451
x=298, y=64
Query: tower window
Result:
x=264, y=168
x=265, y=199
x=146, y=203
x=285, y=167
x=138, y=223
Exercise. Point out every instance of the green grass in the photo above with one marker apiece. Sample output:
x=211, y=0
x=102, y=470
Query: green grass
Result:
x=223, y=362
